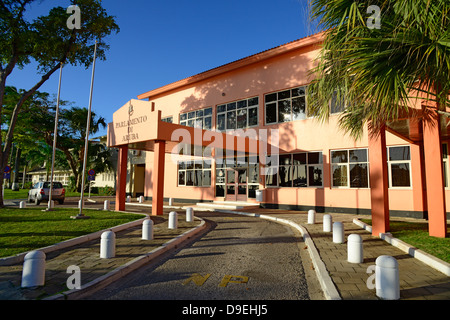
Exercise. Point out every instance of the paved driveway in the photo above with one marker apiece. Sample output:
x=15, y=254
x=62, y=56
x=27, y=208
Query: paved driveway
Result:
x=239, y=258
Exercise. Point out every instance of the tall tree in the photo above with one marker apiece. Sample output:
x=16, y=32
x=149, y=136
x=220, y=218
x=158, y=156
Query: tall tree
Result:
x=71, y=141
x=48, y=41
x=34, y=133
x=376, y=72
x=38, y=110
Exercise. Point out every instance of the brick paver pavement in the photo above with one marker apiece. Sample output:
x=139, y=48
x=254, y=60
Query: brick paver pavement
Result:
x=417, y=280
x=129, y=246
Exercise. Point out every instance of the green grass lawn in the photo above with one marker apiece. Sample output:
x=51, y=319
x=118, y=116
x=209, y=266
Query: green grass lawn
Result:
x=23, y=194
x=20, y=194
x=27, y=229
x=416, y=234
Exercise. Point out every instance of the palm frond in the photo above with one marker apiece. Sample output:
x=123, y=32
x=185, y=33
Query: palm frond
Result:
x=379, y=72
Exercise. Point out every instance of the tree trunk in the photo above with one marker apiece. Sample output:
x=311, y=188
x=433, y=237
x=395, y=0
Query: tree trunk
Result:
x=15, y=184
x=4, y=154
x=24, y=175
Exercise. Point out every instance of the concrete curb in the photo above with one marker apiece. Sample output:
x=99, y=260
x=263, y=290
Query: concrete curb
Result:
x=7, y=261
x=422, y=256
x=329, y=289
x=148, y=205
x=363, y=225
x=130, y=266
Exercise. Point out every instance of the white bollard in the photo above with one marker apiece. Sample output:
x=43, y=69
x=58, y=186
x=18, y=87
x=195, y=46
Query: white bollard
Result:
x=108, y=245
x=189, y=214
x=311, y=216
x=147, y=229
x=33, y=273
x=327, y=222
x=170, y=201
x=22, y=205
x=106, y=205
x=338, y=232
x=355, y=249
x=141, y=199
x=173, y=220
x=128, y=199
x=387, y=280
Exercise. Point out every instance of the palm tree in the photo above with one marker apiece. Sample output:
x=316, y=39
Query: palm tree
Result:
x=71, y=141
x=377, y=72
x=401, y=69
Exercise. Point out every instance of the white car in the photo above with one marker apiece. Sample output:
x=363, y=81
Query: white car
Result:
x=40, y=192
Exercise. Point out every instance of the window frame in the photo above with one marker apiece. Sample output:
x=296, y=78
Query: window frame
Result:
x=168, y=119
x=445, y=165
x=291, y=168
x=229, y=108
x=391, y=162
x=278, y=100
x=334, y=103
x=347, y=165
x=194, y=170
x=193, y=116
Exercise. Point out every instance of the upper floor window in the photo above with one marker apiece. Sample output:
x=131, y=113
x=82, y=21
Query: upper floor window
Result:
x=238, y=115
x=337, y=104
x=168, y=119
x=288, y=105
x=201, y=119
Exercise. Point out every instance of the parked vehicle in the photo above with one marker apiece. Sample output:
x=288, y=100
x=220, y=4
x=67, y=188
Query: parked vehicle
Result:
x=40, y=192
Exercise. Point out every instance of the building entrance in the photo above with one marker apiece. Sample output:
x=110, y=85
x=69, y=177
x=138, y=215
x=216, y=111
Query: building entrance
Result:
x=237, y=179
x=236, y=186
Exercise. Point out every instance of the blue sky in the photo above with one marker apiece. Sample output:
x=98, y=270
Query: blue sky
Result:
x=162, y=41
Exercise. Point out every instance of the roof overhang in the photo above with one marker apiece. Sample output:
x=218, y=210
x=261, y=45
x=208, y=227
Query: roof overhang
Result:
x=409, y=125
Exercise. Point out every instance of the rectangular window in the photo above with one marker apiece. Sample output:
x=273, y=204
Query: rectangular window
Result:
x=445, y=163
x=399, y=167
x=299, y=176
x=337, y=104
x=238, y=115
x=297, y=170
x=167, y=119
x=271, y=178
x=350, y=168
x=284, y=106
x=194, y=173
x=201, y=119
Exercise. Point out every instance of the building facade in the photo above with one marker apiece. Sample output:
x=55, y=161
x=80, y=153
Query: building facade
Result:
x=264, y=97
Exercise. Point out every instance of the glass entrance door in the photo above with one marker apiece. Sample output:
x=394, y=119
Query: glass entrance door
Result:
x=236, y=185
x=241, y=175
x=231, y=185
x=237, y=179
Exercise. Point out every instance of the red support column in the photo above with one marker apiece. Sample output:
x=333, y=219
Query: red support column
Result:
x=379, y=184
x=158, y=178
x=434, y=177
x=121, y=178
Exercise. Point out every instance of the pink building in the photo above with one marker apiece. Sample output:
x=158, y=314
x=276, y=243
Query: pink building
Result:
x=319, y=166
